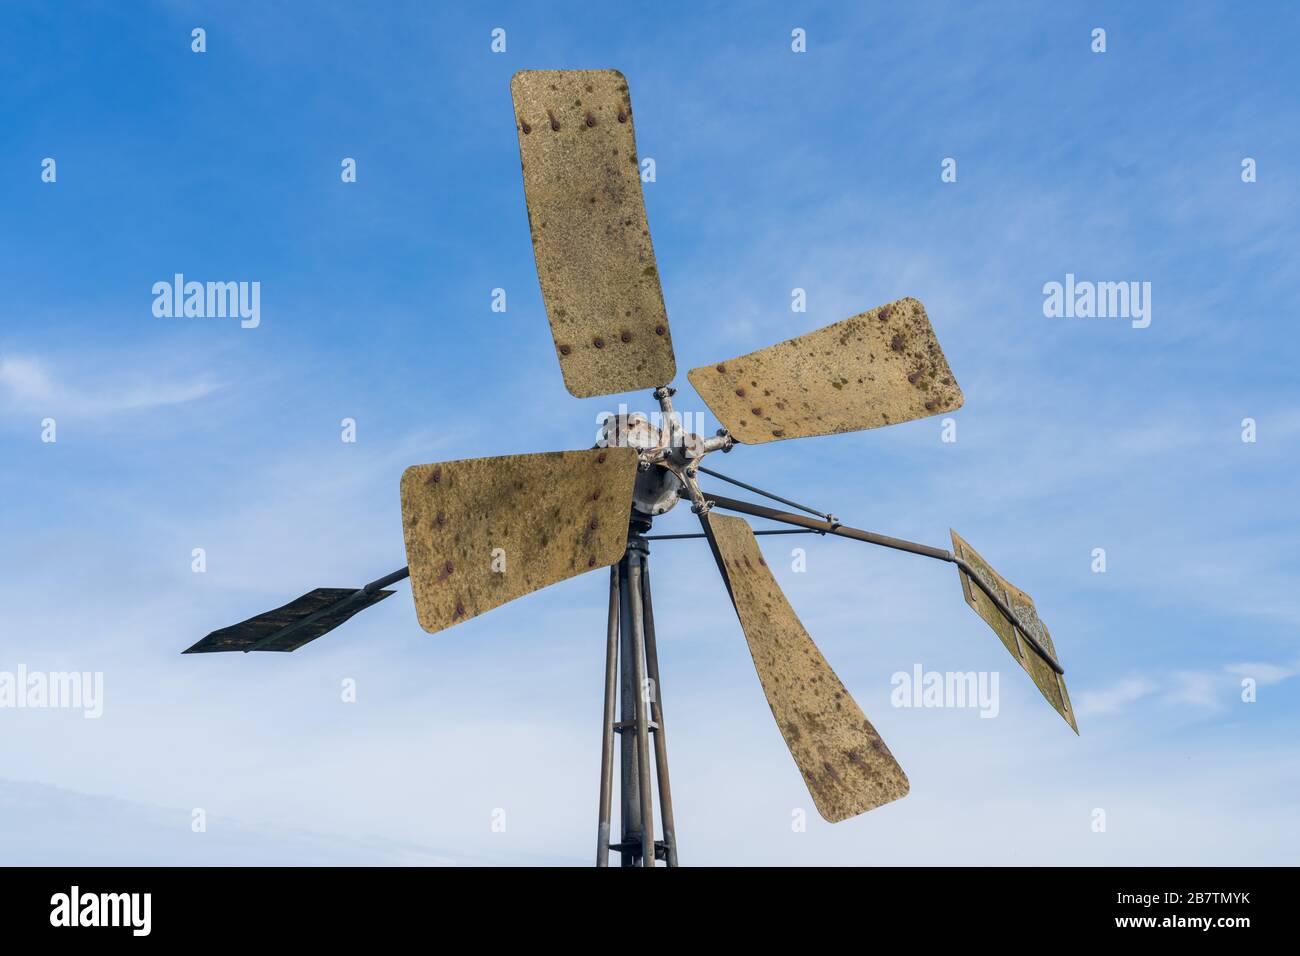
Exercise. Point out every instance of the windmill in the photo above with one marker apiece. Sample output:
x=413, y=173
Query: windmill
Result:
x=485, y=531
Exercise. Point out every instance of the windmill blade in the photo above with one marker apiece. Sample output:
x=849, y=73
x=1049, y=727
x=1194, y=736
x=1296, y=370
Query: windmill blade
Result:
x=878, y=368
x=1024, y=636
x=299, y=622
x=847, y=767
x=586, y=213
x=483, y=531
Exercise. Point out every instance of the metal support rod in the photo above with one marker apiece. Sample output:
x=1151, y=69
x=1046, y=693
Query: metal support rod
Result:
x=334, y=608
x=672, y=422
x=765, y=494
x=657, y=716
x=763, y=511
x=898, y=544
x=629, y=777
x=700, y=534
x=607, y=734
x=386, y=580
x=642, y=708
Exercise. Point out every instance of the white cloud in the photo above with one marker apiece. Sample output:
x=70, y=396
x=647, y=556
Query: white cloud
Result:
x=1203, y=689
x=27, y=384
x=1206, y=690
x=1114, y=699
x=1264, y=673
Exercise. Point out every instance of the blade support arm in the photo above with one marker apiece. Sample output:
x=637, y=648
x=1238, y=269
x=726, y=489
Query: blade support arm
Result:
x=897, y=544
x=828, y=527
x=398, y=575
x=767, y=494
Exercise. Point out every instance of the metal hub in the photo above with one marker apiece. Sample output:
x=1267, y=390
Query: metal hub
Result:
x=656, y=491
x=669, y=456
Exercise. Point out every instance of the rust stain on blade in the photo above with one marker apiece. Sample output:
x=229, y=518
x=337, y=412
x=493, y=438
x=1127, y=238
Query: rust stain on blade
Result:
x=847, y=767
x=483, y=531
x=1049, y=683
x=878, y=368
x=591, y=240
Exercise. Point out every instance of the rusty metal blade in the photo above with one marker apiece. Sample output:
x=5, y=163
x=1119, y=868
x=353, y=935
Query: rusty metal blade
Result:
x=878, y=368
x=847, y=767
x=1050, y=684
x=484, y=531
x=586, y=213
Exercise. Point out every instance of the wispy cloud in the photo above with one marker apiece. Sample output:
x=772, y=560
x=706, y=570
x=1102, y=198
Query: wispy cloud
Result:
x=28, y=384
x=1113, y=699
x=1202, y=690
x=1265, y=673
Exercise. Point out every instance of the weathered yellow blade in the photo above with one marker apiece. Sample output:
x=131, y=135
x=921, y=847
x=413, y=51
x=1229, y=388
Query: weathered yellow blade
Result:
x=484, y=531
x=878, y=368
x=582, y=183
x=1050, y=684
x=847, y=767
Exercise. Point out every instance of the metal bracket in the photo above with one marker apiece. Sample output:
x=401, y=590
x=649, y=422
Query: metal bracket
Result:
x=661, y=852
x=621, y=725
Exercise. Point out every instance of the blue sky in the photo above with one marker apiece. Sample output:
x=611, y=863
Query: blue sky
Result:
x=775, y=170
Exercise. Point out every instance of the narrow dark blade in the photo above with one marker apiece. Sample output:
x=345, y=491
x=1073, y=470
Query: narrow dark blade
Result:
x=290, y=627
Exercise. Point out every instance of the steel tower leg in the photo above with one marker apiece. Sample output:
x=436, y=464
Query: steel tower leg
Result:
x=607, y=737
x=632, y=665
x=641, y=708
x=630, y=778
x=657, y=718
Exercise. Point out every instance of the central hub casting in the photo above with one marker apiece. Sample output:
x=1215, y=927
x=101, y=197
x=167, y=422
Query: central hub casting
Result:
x=669, y=456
